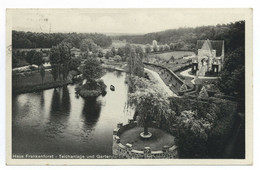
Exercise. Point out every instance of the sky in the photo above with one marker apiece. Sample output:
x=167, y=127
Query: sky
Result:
x=132, y=21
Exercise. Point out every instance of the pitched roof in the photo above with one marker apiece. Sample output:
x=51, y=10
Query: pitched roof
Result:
x=213, y=44
x=75, y=49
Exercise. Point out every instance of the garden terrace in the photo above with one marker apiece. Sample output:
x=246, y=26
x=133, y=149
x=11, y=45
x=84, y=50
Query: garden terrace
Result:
x=127, y=142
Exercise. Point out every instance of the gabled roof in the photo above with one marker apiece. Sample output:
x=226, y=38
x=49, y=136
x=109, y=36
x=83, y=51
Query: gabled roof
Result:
x=75, y=49
x=213, y=44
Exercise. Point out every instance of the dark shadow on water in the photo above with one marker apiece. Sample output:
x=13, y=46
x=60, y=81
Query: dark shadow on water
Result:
x=91, y=112
x=59, y=111
x=60, y=104
x=42, y=100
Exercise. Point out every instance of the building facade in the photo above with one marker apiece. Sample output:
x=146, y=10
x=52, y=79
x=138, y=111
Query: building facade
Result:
x=209, y=58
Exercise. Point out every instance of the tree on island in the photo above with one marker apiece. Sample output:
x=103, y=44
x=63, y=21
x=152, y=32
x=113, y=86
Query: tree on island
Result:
x=92, y=71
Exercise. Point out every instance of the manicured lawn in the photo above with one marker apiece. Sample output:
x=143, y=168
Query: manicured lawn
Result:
x=156, y=142
x=175, y=54
x=28, y=79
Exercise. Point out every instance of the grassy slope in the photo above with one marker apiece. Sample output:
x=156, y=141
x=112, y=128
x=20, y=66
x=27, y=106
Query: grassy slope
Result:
x=175, y=54
x=28, y=82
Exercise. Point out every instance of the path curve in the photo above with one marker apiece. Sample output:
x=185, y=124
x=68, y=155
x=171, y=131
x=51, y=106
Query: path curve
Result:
x=185, y=73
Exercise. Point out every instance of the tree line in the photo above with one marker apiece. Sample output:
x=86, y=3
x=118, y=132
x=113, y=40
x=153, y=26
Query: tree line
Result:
x=186, y=38
x=22, y=39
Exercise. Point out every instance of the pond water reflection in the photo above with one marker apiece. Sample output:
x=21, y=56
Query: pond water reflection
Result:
x=55, y=121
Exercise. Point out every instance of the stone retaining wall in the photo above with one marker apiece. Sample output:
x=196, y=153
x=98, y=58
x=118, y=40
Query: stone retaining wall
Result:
x=168, y=76
x=126, y=151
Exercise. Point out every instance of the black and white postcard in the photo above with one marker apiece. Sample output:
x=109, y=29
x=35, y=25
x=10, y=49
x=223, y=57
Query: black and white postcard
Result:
x=129, y=86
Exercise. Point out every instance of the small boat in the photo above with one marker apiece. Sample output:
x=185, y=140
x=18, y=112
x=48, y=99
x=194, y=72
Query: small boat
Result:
x=112, y=88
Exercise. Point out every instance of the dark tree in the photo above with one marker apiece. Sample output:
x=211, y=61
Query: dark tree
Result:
x=38, y=59
x=113, y=50
x=91, y=69
x=232, y=77
x=29, y=56
x=74, y=64
x=42, y=72
x=108, y=54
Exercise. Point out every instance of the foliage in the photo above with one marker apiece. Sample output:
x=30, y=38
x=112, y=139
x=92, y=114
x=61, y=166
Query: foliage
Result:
x=172, y=46
x=139, y=51
x=37, y=58
x=186, y=38
x=166, y=47
x=151, y=103
x=91, y=69
x=90, y=89
x=60, y=57
x=74, y=64
x=108, y=54
x=134, y=62
x=113, y=50
x=55, y=71
x=203, y=126
x=193, y=130
x=42, y=72
x=88, y=45
x=117, y=58
x=161, y=48
x=22, y=39
x=100, y=54
x=147, y=48
x=120, y=52
x=232, y=77
x=14, y=60
x=29, y=56
x=155, y=48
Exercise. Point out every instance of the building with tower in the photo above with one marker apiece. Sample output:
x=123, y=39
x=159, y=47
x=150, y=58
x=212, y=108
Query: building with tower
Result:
x=209, y=58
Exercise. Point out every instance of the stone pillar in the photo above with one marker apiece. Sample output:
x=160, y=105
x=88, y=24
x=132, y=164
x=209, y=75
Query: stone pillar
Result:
x=115, y=132
x=115, y=148
x=165, y=148
x=128, y=150
x=117, y=139
x=130, y=121
x=119, y=125
x=147, y=153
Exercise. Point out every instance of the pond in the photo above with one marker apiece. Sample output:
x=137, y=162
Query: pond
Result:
x=56, y=122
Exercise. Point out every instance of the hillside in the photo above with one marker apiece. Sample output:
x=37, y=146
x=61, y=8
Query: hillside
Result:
x=186, y=38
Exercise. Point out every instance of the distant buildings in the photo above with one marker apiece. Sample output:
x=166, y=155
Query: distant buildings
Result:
x=75, y=51
x=210, y=57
